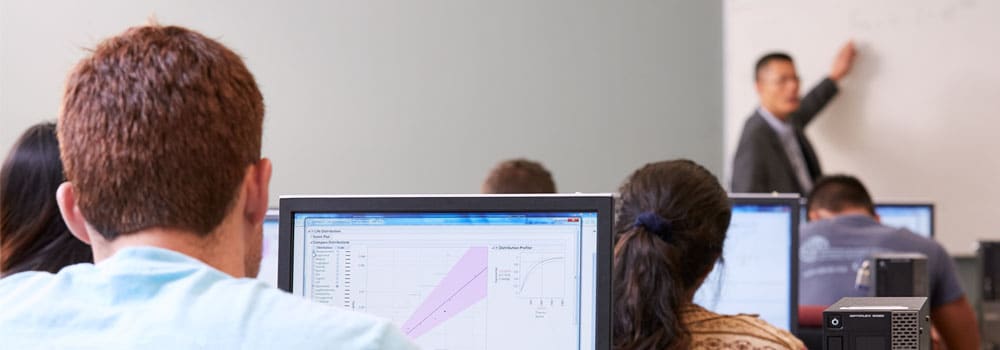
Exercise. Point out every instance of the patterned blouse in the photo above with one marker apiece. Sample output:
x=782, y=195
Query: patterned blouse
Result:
x=735, y=332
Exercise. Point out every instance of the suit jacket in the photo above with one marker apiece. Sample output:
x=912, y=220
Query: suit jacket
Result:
x=761, y=165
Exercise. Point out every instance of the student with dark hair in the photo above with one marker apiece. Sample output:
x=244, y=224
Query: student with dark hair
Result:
x=774, y=154
x=160, y=135
x=844, y=231
x=33, y=235
x=671, y=223
x=519, y=176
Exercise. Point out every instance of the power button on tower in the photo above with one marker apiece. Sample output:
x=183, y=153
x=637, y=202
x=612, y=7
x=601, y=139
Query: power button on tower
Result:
x=834, y=322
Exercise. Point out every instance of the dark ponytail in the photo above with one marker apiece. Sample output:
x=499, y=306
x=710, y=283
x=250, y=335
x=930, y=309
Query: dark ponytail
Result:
x=671, y=222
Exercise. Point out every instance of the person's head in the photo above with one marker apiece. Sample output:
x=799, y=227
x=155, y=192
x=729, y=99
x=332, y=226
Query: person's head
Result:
x=519, y=176
x=837, y=195
x=33, y=236
x=777, y=84
x=670, y=224
x=160, y=133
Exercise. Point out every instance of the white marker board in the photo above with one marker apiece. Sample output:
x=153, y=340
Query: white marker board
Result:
x=917, y=119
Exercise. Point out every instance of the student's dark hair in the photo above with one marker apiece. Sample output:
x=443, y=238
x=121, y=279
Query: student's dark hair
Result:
x=519, y=176
x=768, y=58
x=671, y=222
x=838, y=192
x=33, y=235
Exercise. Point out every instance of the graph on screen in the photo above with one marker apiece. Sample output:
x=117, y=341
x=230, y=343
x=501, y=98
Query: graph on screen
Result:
x=444, y=286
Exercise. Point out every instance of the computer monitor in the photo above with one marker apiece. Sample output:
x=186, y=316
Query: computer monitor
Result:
x=458, y=272
x=269, y=252
x=917, y=217
x=759, y=270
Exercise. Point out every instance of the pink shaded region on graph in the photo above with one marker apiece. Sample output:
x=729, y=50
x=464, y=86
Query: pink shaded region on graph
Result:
x=461, y=288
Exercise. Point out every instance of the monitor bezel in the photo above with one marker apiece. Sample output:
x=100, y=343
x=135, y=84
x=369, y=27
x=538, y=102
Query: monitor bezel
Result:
x=794, y=202
x=912, y=205
x=602, y=204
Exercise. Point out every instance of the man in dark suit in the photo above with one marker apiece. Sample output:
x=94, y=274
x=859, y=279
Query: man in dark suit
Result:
x=774, y=154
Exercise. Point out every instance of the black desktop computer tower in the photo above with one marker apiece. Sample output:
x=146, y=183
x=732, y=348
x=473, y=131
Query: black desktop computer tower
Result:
x=989, y=305
x=877, y=324
x=899, y=275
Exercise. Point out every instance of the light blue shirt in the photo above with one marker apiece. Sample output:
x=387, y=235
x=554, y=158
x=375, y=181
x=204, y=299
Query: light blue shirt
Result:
x=150, y=298
x=790, y=143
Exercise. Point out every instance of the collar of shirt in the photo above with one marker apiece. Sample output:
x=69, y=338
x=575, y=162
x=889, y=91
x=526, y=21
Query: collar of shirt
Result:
x=779, y=126
x=856, y=220
x=148, y=259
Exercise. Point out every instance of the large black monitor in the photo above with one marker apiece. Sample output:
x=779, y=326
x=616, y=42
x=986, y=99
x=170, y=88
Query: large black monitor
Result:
x=458, y=272
x=759, y=269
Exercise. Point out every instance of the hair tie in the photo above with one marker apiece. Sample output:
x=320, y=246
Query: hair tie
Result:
x=654, y=223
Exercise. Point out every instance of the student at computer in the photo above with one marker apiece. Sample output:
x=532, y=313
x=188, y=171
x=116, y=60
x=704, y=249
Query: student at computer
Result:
x=844, y=230
x=671, y=223
x=519, y=176
x=161, y=136
x=33, y=235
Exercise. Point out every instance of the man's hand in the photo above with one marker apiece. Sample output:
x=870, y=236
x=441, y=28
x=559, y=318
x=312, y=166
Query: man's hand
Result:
x=843, y=62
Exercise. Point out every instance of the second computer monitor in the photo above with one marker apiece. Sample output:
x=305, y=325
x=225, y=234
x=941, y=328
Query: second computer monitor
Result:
x=759, y=269
x=917, y=217
x=458, y=272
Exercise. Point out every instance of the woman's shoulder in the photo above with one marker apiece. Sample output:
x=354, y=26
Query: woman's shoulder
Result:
x=710, y=330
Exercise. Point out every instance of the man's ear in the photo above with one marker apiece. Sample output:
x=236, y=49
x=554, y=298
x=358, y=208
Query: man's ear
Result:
x=66, y=199
x=258, y=189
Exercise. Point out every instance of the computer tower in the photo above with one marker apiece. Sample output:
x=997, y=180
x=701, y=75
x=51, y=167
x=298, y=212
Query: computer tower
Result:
x=877, y=324
x=989, y=305
x=899, y=275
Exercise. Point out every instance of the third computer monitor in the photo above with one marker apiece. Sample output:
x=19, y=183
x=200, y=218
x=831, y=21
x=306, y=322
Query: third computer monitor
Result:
x=758, y=273
x=458, y=272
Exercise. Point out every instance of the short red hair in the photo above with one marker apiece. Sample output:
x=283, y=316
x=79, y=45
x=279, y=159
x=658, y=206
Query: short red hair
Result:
x=158, y=127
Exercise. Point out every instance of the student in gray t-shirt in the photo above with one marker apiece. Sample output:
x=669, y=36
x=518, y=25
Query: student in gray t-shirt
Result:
x=844, y=230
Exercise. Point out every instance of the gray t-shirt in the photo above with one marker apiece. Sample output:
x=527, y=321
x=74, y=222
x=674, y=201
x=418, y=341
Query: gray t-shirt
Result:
x=832, y=250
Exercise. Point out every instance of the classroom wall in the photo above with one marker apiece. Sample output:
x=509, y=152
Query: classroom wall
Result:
x=423, y=96
x=916, y=119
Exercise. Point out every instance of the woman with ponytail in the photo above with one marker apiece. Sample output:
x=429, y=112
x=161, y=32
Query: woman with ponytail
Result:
x=671, y=223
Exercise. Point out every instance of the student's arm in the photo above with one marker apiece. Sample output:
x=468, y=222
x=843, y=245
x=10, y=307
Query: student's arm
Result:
x=957, y=324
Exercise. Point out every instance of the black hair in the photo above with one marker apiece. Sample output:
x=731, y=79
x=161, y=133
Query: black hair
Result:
x=768, y=58
x=33, y=235
x=657, y=266
x=838, y=192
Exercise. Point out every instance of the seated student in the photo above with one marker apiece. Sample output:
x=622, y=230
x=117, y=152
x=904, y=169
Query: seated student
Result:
x=161, y=136
x=519, y=176
x=844, y=230
x=33, y=235
x=671, y=223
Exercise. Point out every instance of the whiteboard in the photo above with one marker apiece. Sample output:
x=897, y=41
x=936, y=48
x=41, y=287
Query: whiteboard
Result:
x=919, y=116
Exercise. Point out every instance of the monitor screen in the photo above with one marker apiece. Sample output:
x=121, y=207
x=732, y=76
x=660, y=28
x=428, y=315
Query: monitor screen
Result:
x=758, y=273
x=458, y=277
x=269, y=252
x=915, y=217
x=918, y=218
